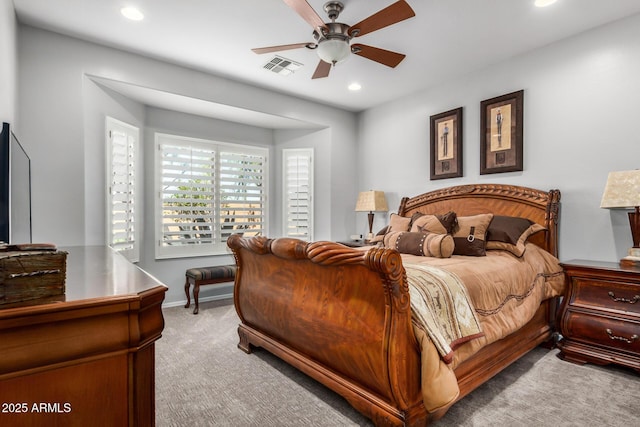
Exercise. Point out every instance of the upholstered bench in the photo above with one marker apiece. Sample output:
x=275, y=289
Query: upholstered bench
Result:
x=206, y=276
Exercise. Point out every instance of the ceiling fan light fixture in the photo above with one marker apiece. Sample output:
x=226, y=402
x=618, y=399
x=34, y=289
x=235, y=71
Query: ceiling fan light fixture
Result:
x=333, y=51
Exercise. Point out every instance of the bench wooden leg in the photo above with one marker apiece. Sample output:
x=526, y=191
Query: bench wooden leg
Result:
x=186, y=291
x=196, y=293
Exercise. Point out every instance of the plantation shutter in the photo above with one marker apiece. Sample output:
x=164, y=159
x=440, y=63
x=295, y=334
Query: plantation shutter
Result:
x=298, y=191
x=242, y=194
x=122, y=226
x=206, y=192
x=187, y=195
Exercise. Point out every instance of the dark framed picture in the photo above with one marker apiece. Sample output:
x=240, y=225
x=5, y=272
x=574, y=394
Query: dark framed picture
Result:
x=501, y=133
x=446, y=144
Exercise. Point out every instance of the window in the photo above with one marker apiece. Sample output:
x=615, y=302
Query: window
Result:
x=298, y=193
x=207, y=191
x=122, y=212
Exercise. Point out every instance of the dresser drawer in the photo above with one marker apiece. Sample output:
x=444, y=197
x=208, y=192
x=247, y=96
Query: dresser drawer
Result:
x=607, y=295
x=603, y=331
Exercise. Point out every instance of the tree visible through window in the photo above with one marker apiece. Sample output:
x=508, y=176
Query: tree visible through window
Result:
x=208, y=191
x=242, y=204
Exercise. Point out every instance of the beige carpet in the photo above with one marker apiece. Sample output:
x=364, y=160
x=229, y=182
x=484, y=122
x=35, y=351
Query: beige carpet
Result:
x=203, y=379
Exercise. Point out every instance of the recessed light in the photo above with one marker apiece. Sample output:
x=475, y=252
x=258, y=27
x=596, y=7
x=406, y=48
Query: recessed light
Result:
x=354, y=86
x=544, y=3
x=132, y=13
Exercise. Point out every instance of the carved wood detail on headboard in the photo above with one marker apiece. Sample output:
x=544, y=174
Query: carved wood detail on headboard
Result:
x=499, y=199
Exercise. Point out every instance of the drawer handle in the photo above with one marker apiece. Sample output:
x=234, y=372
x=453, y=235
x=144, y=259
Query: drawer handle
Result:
x=630, y=301
x=627, y=340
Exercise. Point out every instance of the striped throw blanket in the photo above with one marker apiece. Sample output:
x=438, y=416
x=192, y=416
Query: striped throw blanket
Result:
x=441, y=307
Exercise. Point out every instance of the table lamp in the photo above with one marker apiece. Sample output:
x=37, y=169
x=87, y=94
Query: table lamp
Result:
x=622, y=191
x=371, y=201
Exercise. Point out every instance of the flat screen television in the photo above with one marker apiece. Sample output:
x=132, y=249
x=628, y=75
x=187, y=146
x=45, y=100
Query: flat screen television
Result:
x=15, y=190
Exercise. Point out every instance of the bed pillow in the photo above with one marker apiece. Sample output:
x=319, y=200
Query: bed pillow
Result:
x=510, y=233
x=439, y=224
x=380, y=235
x=470, y=234
x=396, y=223
x=421, y=244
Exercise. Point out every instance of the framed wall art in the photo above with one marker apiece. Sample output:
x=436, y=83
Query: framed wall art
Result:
x=446, y=144
x=501, y=133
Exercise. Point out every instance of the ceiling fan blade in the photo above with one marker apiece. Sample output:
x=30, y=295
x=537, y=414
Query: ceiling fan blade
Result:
x=304, y=9
x=322, y=70
x=398, y=11
x=269, y=49
x=385, y=57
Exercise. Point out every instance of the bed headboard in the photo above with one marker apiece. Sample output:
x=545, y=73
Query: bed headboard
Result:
x=542, y=207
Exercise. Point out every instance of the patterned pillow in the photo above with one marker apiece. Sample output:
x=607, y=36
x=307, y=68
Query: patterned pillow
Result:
x=439, y=224
x=470, y=234
x=510, y=233
x=421, y=244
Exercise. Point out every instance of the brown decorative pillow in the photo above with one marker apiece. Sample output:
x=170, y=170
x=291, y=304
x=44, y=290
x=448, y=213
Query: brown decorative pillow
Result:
x=422, y=244
x=507, y=229
x=510, y=233
x=396, y=223
x=470, y=234
x=439, y=224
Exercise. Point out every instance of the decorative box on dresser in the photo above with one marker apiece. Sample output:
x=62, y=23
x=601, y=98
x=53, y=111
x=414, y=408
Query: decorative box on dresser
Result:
x=600, y=315
x=85, y=358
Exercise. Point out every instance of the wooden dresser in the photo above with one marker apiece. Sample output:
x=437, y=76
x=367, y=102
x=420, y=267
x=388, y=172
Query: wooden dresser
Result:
x=87, y=357
x=600, y=317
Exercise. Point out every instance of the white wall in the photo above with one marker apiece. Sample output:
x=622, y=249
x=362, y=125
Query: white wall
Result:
x=8, y=63
x=61, y=111
x=100, y=102
x=581, y=121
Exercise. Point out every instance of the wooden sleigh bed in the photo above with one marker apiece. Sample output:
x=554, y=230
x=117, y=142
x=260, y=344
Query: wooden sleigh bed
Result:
x=342, y=315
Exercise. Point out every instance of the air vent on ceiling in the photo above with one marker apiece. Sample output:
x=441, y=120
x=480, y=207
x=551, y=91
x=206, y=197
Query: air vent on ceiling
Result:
x=282, y=66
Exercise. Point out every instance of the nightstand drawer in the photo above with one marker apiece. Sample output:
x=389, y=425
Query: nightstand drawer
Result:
x=604, y=331
x=602, y=294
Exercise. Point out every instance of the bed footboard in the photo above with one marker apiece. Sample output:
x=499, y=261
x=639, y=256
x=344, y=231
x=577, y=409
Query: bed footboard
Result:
x=340, y=315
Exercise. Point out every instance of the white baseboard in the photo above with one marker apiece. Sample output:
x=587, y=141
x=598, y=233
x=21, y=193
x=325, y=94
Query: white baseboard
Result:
x=200, y=300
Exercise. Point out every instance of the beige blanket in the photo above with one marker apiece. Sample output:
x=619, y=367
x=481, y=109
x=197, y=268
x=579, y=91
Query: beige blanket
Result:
x=441, y=307
x=505, y=293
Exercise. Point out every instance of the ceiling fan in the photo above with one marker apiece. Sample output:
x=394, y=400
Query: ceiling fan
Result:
x=332, y=39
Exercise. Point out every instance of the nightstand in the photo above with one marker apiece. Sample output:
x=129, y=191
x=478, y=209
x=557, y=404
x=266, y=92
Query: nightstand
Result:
x=600, y=314
x=354, y=243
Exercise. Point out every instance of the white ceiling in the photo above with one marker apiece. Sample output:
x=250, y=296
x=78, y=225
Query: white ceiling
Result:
x=446, y=38
x=201, y=107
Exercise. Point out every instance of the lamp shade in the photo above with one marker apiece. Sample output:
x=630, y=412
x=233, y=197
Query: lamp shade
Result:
x=371, y=201
x=622, y=190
